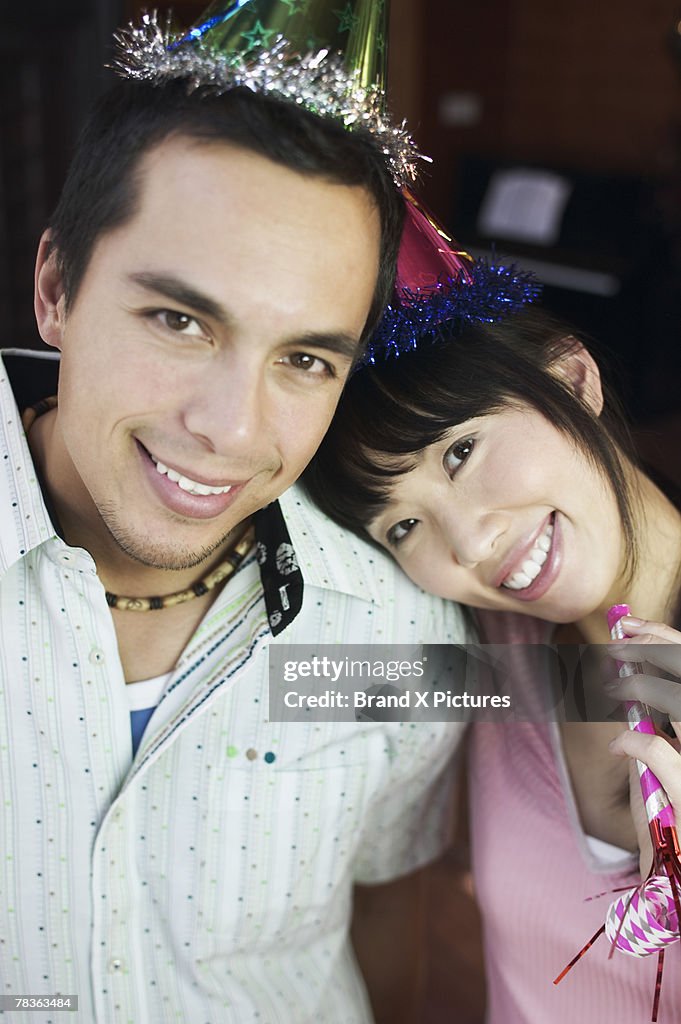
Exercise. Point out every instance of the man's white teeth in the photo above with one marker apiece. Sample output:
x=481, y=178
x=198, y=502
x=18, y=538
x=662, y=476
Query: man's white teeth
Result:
x=531, y=567
x=191, y=486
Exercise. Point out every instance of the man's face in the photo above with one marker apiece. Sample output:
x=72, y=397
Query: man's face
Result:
x=207, y=347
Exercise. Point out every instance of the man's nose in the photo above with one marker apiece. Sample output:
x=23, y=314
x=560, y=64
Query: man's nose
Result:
x=227, y=411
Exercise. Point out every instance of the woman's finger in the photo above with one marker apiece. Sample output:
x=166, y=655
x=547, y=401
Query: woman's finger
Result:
x=649, y=649
x=663, y=694
x=659, y=754
x=637, y=627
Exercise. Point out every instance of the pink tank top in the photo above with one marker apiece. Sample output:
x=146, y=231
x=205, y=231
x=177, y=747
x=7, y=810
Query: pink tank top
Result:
x=533, y=869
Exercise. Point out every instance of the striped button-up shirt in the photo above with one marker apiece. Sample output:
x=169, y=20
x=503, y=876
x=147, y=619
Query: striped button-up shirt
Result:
x=208, y=879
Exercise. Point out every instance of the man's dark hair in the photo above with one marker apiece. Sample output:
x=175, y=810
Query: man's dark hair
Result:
x=102, y=187
x=390, y=412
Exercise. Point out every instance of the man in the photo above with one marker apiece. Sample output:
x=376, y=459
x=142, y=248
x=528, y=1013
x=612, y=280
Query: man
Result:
x=210, y=274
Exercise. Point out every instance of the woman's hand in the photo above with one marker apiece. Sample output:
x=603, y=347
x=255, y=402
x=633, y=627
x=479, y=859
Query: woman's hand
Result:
x=653, y=646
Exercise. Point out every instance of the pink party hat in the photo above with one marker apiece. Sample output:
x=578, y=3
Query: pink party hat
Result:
x=439, y=283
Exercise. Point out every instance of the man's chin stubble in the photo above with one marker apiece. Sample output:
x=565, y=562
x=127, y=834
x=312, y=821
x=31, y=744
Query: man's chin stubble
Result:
x=144, y=552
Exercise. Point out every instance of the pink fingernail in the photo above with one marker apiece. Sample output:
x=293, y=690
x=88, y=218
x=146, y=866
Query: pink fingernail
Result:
x=631, y=620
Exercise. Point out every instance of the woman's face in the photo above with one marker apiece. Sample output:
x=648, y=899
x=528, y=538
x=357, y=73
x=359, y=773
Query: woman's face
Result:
x=506, y=513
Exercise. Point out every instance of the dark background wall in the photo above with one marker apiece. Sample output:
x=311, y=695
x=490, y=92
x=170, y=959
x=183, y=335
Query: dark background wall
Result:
x=50, y=67
x=592, y=84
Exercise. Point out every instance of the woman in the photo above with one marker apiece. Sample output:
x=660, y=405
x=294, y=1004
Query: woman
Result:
x=492, y=466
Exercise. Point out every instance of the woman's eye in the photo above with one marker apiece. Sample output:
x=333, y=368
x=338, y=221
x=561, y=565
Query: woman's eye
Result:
x=309, y=364
x=180, y=323
x=456, y=454
x=399, y=531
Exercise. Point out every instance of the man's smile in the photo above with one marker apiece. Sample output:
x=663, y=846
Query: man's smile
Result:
x=186, y=482
x=185, y=495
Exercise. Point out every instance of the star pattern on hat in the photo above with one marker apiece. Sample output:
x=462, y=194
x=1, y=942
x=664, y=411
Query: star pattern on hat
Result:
x=307, y=65
x=296, y=6
x=347, y=19
x=258, y=36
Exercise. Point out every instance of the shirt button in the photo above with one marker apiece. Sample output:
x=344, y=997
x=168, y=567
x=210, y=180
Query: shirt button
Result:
x=96, y=656
x=115, y=965
x=66, y=558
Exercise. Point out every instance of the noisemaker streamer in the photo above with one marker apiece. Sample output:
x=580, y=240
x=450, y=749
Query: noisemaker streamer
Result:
x=647, y=918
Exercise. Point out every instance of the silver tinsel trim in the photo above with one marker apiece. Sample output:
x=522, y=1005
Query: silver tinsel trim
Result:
x=317, y=81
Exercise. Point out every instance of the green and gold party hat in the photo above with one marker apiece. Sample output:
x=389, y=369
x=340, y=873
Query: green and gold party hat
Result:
x=328, y=56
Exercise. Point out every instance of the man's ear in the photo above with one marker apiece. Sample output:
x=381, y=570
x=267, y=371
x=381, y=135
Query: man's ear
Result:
x=577, y=368
x=49, y=302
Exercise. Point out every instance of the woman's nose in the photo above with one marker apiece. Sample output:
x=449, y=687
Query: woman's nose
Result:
x=472, y=538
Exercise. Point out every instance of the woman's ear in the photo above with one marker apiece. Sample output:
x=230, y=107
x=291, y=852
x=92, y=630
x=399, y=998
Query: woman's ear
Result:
x=49, y=302
x=574, y=365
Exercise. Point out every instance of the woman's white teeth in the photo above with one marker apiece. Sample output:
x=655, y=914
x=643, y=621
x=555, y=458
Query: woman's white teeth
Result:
x=531, y=567
x=191, y=486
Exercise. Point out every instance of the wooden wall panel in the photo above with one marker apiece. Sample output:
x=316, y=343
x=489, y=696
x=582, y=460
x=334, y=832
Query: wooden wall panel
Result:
x=597, y=84
x=593, y=85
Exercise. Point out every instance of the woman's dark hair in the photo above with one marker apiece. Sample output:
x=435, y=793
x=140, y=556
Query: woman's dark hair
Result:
x=102, y=187
x=390, y=412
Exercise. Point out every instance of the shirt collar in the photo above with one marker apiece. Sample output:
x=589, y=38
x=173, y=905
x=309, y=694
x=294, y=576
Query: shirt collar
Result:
x=330, y=556
x=297, y=547
x=24, y=520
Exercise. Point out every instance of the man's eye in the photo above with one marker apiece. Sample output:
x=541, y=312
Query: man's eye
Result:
x=180, y=323
x=457, y=454
x=310, y=364
x=399, y=531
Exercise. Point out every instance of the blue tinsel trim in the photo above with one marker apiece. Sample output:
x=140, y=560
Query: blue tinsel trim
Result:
x=492, y=293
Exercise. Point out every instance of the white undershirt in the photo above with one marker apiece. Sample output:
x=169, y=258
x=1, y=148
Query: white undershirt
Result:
x=146, y=693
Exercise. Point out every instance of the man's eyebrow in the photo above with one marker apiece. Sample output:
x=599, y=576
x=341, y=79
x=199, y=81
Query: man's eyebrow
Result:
x=341, y=343
x=182, y=293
